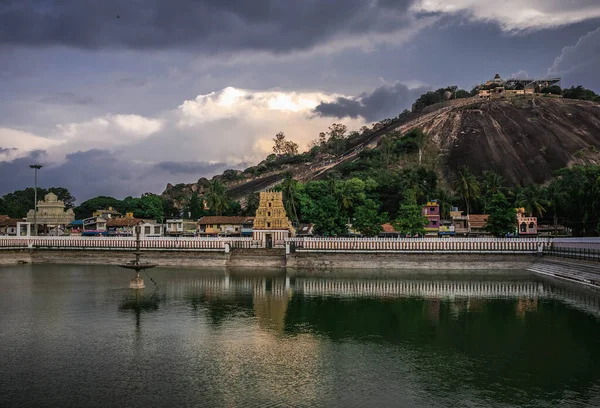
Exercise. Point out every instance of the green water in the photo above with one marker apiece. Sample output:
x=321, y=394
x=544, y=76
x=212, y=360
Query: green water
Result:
x=75, y=336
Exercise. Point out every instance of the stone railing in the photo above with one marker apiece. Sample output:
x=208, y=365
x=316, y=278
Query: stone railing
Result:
x=420, y=245
x=154, y=243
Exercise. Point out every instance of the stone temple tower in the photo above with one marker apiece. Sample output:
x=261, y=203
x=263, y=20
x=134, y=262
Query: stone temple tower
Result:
x=271, y=224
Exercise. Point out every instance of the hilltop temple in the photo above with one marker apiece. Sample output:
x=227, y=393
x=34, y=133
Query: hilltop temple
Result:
x=271, y=224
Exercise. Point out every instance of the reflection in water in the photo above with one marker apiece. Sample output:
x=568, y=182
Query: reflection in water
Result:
x=137, y=302
x=220, y=339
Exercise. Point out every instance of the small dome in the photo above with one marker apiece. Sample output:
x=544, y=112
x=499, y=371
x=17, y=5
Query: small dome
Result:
x=497, y=76
x=50, y=197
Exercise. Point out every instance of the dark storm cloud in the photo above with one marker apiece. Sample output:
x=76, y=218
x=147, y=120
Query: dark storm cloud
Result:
x=5, y=150
x=216, y=25
x=579, y=64
x=98, y=172
x=384, y=102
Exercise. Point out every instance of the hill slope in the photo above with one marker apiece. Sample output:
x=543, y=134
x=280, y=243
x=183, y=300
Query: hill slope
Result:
x=523, y=139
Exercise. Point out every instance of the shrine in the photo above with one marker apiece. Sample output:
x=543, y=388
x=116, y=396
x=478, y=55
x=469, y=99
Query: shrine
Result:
x=51, y=215
x=271, y=224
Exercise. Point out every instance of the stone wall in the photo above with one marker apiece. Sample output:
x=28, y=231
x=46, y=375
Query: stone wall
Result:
x=408, y=261
x=274, y=259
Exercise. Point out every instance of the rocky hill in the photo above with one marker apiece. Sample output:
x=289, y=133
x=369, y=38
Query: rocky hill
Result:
x=524, y=139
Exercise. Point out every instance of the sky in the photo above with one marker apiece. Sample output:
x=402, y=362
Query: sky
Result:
x=119, y=97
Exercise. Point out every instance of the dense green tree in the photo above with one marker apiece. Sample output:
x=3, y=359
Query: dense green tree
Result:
x=195, y=208
x=216, y=197
x=150, y=206
x=252, y=202
x=18, y=203
x=502, y=218
x=289, y=191
x=86, y=208
x=410, y=218
x=367, y=219
x=169, y=210
x=467, y=187
x=580, y=186
x=579, y=92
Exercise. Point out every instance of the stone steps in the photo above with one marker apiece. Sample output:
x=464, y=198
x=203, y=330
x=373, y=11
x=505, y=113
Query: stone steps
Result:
x=585, y=273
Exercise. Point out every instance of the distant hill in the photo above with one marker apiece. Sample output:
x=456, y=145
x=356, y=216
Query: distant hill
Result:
x=524, y=139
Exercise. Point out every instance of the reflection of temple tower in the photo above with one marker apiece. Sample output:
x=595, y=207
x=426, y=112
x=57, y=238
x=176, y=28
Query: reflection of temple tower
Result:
x=270, y=307
x=271, y=224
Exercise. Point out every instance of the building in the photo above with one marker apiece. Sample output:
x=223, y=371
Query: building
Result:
x=477, y=224
x=8, y=226
x=271, y=224
x=460, y=222
x=122, y=227
x=305, y=230
x=526, y=226
x=51, y=216
x=178, y=227
x=107, y=213
x=151, y=229
x=227, y=226
x=431, y=211
x=94, y=226
x=388, y=231
x=446, y=229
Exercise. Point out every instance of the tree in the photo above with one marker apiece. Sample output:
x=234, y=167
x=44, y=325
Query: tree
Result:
x=502, y=216
x=410, y=218
x=279, y=143
x=252, y=203
x=169, y=210
x=63, y=195
x=387, y=147
x=467, y=186
x=419, y=138
x=150, y=207
x=290, y=148
x=350, y=193
x=491, y=184
x=196, y=208
x=216, y=197
x=532, y=199
x=86, y=208
x=367, y=219
x=289, y=190
x=556, y=198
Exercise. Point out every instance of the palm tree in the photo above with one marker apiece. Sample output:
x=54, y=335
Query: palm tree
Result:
x=420, y=140
x=467, y=186
x=532, y=199
x=555, y=196
x=445, y=200
x=216, y=197
x=490, y=185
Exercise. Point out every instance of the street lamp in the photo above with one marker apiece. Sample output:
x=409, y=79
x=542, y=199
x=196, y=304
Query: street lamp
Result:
x=36, y=167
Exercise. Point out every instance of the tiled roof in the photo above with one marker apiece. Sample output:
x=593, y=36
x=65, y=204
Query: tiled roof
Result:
x=6, y=221
x=215, y=219
x=388, y=227
x=123, y=222
x=478, y=220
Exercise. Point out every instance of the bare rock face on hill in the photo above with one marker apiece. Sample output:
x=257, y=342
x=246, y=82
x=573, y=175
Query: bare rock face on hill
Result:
x=524, y=140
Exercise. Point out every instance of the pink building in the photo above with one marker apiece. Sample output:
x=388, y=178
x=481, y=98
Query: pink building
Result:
x=431, y=210
x=526, y=225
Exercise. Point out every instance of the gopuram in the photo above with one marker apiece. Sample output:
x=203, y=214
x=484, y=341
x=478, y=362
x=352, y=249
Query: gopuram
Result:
x=271, y=224
x=51, y=215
